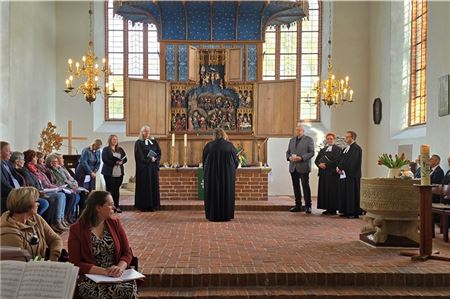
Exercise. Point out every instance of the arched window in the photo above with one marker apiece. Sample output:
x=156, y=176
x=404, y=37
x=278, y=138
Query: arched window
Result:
x=418, y=39
x=132, y=51
x=295, y=52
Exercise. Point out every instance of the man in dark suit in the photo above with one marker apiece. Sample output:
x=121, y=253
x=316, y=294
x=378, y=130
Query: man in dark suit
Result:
x=299, y=154
x=446, y=180
x=436, y=174
x=9, y=177
x=349, y=168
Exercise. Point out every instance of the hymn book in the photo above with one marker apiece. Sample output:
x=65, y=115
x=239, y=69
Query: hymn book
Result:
x=53, y=280
x=128, y=275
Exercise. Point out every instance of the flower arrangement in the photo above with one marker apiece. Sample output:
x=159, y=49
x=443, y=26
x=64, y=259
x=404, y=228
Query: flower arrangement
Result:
x=393, y=162
x=242, y=156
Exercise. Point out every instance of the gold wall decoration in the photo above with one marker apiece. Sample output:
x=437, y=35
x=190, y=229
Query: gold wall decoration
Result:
x=50, y=139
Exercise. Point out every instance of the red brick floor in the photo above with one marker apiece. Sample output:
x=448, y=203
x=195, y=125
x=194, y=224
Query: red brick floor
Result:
x=182, y=253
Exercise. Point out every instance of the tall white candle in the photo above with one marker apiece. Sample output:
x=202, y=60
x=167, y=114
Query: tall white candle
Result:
x=185, y=140
x=173, y=139
x=425, y=178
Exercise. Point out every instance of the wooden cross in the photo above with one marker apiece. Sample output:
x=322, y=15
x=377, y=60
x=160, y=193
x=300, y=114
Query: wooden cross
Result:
x=70, y=137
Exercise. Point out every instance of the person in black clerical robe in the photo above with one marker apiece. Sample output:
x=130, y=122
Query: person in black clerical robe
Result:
x=349, y=168
x=220, y=163
x=326, y=161
x=147, y=154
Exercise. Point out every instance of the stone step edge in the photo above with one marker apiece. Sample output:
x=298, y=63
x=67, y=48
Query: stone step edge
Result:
x=181, y=207
x=298, y=292
x=296, y=279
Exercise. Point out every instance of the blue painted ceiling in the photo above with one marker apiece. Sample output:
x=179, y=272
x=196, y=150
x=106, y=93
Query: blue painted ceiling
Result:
x=212, y=20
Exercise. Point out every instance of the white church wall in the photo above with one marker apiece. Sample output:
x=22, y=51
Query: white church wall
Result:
x=6, y=119
x=385, y=82
x=30, y=99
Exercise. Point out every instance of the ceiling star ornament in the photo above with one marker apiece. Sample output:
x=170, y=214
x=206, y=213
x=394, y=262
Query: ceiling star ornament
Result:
x=88, y=72
x=331, y=91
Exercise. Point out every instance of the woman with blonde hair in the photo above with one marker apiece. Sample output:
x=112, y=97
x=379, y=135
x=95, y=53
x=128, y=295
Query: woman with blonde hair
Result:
x=147, y=154
x=113, y=157
x=22, y=227
x=88, y=165
x=326, y=161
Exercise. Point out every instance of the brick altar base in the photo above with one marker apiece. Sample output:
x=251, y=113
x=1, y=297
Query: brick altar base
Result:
x=181, y=183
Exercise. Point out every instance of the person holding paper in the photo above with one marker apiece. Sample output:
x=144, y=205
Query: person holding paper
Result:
x=18, y=161
x=88, y=165
x=45, y=186
x=59, y=179
x=349, y=169
x=98, y=244
x=299, y=154
x=326, y=161
x=22, y=227
x=113, y=157
x=147, y=154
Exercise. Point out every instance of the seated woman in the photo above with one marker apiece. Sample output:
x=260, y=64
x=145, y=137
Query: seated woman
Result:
x=17, y=161
x=58, y=178
x=44, y=183
x=98, y=245
x=22, y=227
x=72, y=182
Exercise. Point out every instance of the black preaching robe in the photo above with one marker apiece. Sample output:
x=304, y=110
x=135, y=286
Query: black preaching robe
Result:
x=220, y=163
x=350, y=187
x=328, y=178
x=147, y=175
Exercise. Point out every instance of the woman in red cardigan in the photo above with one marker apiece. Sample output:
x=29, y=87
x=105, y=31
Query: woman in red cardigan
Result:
x=98, y=245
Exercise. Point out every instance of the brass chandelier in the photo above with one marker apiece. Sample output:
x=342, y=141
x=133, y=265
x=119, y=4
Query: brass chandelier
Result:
x=89, y=72
x=331, y=91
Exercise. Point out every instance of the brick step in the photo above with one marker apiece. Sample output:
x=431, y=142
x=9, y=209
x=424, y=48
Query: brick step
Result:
x=200, y=207
x=309, y=279
x=297, y=292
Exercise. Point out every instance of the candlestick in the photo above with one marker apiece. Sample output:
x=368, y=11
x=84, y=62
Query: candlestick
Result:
x=173, y=139
x=425, y=178
x=185, y=157
x=185, y=140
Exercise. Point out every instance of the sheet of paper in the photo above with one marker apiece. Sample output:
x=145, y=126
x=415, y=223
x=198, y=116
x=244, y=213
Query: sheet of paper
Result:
x=343, y=176
x=48, y=280
x=87, y=178
x=129, y=274
x=11, y=276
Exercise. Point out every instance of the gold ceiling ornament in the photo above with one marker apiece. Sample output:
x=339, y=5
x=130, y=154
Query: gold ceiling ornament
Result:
x=89, y=72
x=331, y=91
x=49, y=139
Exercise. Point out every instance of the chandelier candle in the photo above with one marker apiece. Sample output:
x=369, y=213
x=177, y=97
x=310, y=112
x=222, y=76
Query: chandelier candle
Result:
x=89, y=72
x=425, y=178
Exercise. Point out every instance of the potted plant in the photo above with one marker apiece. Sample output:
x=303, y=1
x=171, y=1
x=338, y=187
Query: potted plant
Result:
x=394, y=164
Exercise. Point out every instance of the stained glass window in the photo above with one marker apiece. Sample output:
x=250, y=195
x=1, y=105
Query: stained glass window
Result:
x=132, y=51
x=294, y=52
x=418, y=38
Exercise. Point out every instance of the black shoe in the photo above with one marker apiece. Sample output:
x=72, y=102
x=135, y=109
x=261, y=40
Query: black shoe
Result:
x=118, y=210
x=295, y=209
x=326, y=212
x=308, y=210
x=331, y=212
